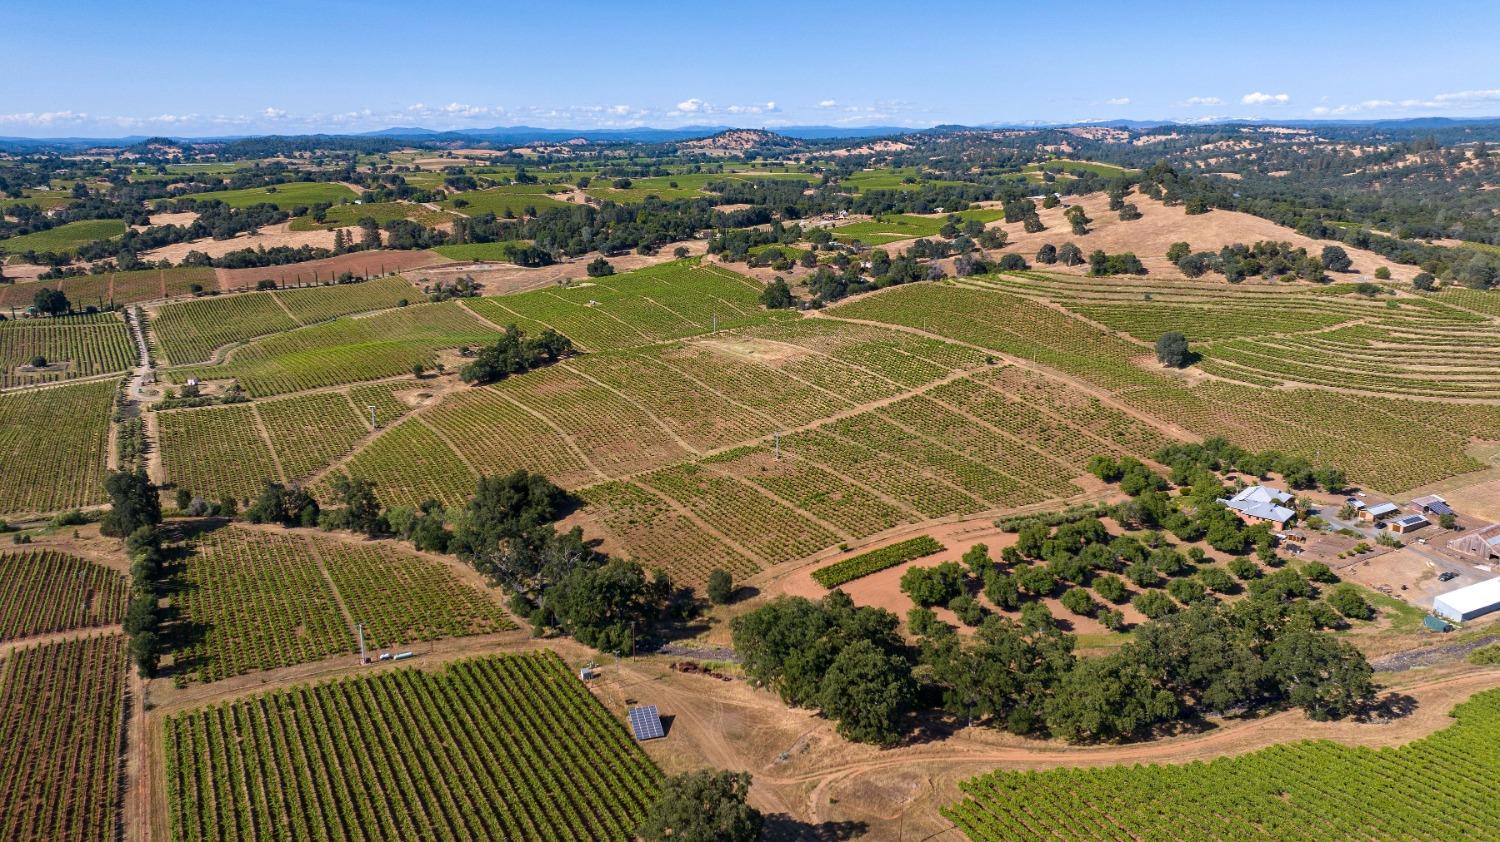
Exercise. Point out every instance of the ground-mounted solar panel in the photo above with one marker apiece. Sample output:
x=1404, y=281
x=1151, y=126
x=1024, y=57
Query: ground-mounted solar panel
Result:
x=645, y=722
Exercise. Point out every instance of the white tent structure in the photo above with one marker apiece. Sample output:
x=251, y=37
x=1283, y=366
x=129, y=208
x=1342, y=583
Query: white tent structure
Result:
x=1470, y=602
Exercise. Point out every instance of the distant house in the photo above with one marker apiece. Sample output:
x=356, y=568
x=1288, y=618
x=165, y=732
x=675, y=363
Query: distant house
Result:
x=1262, y=504
x=1431, y=505
x=1481, y=545
x=1378, y=512
x=1409, y=523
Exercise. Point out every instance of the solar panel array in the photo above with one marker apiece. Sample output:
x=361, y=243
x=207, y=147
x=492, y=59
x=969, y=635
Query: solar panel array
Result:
x=645, y=722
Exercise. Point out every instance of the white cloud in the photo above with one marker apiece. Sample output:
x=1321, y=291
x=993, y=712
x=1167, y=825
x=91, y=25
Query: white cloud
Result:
x=1489, y=95
x=752, y=109
x=691, y=106
x=828, y=103
x=44, y=118
x=1202, y=100
x=273, y=113
x=1119, y=100
x=1258, y=98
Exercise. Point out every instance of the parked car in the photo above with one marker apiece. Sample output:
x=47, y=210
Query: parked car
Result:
x=1446, y=575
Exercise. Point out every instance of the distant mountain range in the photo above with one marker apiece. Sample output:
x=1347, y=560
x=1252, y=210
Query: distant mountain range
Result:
x=532, y=134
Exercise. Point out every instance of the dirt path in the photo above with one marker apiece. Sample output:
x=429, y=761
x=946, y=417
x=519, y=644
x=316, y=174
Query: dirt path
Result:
x=9, y=646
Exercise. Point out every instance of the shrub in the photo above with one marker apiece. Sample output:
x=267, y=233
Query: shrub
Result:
x=1110, y=588
x=1079, y=602
x=1347, y=600
x=1186, y=591
x=968, y=609
x=1317, y=571
x=933, y=585
x=1244, y=568
x=1216, y=580
x=1154, y=604
x=720, y=587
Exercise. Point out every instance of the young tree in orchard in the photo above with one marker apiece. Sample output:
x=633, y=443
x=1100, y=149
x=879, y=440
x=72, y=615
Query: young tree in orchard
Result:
x=703, y=806
x=1172, y=350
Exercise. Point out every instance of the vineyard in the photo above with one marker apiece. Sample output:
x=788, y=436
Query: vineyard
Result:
x=669, y=301
x=284, y=196
x=189, y=332
x=215, y=452
x=54, y=446
x=309, y=431
x=63, y=705
x=874, y=561
x=1368, y=433
x=256, y=600
x=382, y=212
x=118, y=287
x=347, y=351
x=506, y=747
x=73, y=346
x=45, y=591
x=1435, y=788
x=319, y=304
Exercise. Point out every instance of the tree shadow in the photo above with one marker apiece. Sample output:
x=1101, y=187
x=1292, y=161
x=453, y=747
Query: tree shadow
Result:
x=1390, y=707
x=783, y=828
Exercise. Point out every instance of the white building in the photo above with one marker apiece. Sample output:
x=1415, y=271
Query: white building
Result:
x=1470, y=602
x=1261, y=504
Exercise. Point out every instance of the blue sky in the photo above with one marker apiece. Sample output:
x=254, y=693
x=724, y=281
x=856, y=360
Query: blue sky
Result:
x=97, y=68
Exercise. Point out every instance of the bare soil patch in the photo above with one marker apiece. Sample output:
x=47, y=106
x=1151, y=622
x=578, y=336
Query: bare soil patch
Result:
x=184, y=219
x=760, y=350
x=1160, y=226
x=359, y=262
x=268, y=237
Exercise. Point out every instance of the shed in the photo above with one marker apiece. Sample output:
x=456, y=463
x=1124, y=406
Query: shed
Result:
x=1409, y=523
x=1431, y=504
x=1379, y=511
x=1470, y=602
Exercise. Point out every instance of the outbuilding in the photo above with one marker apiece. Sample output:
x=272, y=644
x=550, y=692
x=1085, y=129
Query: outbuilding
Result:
x=1470, y=602
x=1379, y=512
x=1481, y=545
x=1432, y=505
x=1409, y=523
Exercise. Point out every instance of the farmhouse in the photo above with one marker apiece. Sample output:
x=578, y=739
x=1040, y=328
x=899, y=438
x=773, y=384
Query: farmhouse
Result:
x=1481, y=545
x=1431, y=505
x=1470, y=602
x=1378, y=512
x=1261, y=504
x=1408, y=523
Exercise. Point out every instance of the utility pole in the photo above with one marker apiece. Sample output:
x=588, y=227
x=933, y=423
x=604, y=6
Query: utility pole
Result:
x=362, y=657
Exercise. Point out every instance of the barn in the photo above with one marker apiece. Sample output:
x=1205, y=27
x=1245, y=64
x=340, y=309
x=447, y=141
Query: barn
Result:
x=1481, y=545
x=1470, y=602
